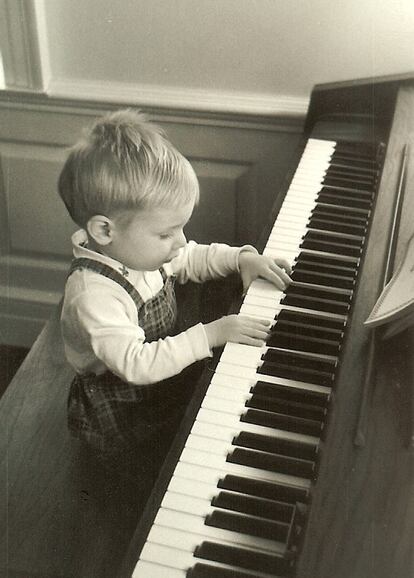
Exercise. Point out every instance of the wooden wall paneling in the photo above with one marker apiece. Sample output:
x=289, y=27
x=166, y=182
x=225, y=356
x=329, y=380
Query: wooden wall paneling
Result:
x=36, y=244
x=240, y=162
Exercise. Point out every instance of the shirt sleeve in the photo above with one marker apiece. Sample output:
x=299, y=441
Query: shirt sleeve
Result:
x=200, y=263
x=111, y=330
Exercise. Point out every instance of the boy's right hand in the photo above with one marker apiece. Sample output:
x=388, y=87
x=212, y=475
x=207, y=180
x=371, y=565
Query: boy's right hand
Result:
x=238, y=329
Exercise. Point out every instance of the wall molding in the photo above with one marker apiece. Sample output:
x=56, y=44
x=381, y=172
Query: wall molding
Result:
x=180, y=98
x=22, y=26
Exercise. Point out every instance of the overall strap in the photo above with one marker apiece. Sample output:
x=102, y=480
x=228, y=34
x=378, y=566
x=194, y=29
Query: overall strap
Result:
x=107, y=271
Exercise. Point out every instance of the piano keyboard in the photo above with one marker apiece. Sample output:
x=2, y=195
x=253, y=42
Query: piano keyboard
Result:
x=237, y=502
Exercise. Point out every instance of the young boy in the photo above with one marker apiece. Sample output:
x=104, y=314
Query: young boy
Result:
x=132, y=193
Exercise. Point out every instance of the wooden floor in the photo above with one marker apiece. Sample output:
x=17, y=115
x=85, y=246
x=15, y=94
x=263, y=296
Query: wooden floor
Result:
x=56, y=519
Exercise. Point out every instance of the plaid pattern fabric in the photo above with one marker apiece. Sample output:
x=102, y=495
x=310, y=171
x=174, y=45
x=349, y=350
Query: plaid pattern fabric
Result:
x=108, y=413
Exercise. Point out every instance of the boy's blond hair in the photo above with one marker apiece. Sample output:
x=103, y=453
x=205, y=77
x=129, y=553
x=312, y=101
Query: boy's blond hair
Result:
x=124, y=162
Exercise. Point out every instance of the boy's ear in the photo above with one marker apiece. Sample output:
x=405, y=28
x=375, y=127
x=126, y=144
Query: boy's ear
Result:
x=101, y=229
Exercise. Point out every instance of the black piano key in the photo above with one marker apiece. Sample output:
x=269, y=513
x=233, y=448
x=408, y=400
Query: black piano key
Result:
x=309, y=344
x=336, y=227
x=313, y=416
x=329, y=197
x=283, y=422
x=308, y=361
x=201, y=570
x=314, y=329
x=353, y=189
x=340, y=238
x=328, y=246
x=270, y=490
x=313, y=303
x=351, y=175
x=245, y=558
x=310, y=319
x=272, y=462
x=305, y=275
x=344, y=214
x=357, y=157
x=259, y=507
x=342, y=164
x=297, y=373
x=332, y=180
x=249, y=525
x=337, y=301
x=281, y=446
x=339, y=265
x=292, y=408
x=291, y=393
x=356, y=149
x=330, y=293
x=326, y=264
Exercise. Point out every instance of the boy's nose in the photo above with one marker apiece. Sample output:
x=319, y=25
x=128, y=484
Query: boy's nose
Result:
x=181, y=240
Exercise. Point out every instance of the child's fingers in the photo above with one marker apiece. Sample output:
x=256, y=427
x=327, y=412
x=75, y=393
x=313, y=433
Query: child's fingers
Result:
x=281, y=273
x=283, y=264
x=247, y=340
x=279, y=278
x=255, y=322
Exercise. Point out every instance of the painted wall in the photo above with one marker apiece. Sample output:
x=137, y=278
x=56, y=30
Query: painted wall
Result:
x=270, y=47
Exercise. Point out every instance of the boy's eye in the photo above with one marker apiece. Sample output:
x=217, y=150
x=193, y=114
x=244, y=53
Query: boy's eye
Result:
x=165, y=236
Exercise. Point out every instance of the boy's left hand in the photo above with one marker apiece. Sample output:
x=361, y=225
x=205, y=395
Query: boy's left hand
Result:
x=275, y=270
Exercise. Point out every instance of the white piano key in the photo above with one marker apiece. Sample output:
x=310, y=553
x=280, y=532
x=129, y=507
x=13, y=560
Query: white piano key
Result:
x=188, y=542
x=246, y=354
x=187, y=504
x=284, y=229
x=287, y=242
x=223, y=448
x=229, y=393
x=266, y=302
x=262, y=312
x=254, y=311
x=166, y=556
x=193, y=488
x=184, y=540
x=145, y=569
x=293, y=214
x=281, y=248
x=200, y=508
x=230, y=371
x=228, y=432
x=232, y=422
x=218, y=463
x=230, y=383
x=263, y=287
x=213, y=446
x=194, y=524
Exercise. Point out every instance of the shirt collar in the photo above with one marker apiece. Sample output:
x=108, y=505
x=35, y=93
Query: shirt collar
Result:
x=80, y=249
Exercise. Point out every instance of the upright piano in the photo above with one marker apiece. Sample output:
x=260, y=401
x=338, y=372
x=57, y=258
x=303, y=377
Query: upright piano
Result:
x=295, y=459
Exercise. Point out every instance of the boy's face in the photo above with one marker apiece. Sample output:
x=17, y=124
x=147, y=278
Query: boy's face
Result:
x=151, y=238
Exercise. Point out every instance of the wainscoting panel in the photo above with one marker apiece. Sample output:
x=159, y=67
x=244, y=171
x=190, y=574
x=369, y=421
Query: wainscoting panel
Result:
x=240, y=161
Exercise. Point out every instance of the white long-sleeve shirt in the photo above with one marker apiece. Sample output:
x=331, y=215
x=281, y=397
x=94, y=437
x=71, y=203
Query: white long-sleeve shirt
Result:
x=100, y=322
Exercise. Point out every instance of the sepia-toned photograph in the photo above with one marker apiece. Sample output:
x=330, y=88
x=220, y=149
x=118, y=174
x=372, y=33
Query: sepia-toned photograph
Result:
x=206, y=289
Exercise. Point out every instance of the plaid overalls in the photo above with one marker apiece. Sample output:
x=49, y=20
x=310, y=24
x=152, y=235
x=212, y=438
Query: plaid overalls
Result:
x=113, y=416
